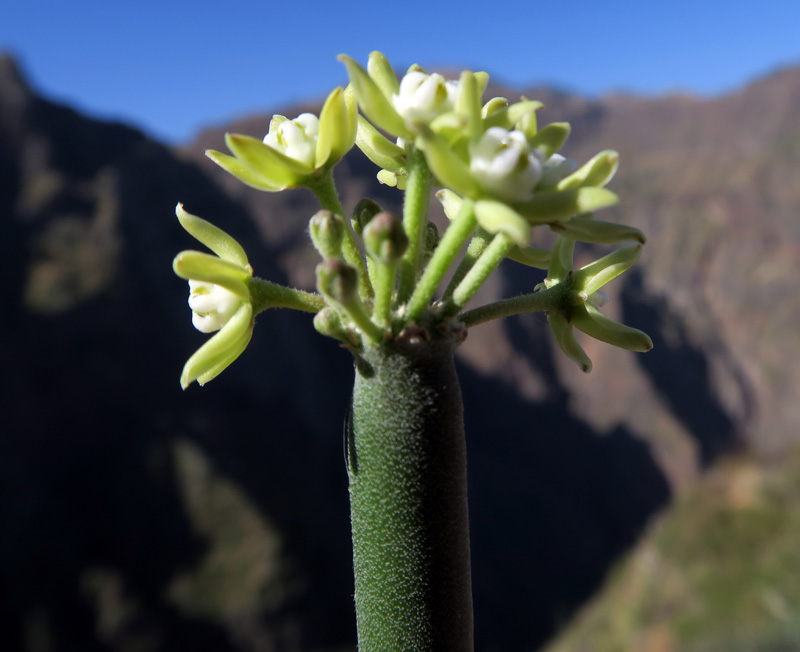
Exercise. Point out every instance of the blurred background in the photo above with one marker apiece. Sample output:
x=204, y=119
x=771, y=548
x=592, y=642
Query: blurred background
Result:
x=650, y=505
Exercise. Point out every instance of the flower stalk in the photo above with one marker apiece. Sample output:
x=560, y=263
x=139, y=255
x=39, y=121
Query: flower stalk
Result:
x=415, y=216
x=406, y=459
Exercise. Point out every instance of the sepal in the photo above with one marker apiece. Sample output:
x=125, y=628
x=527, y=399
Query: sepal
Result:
x=590, y=278
x=586, y=229
x=495, y=217
x=337, y=128
x=551, y=138
x=212, y=237
x=558, y=205
x=596, y=172
x=381, y=71
x=198, y=266
x=564, y=335
x=446, y=166
x=376, y=106
x=221, y=350
x=531, y=256
x=238, y=169
x=269, y=164
x=595, y=324
x=379, y=149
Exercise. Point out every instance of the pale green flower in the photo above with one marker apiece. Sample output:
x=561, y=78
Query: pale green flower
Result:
x=296, y=138
x=583, y=297
x=505, y=165
x=294, y=151
x=219, y=298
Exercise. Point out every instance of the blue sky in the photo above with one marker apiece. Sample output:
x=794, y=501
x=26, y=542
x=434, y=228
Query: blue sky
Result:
x=172, y=67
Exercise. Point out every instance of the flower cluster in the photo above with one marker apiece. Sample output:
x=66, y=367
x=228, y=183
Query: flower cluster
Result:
x=500, y=176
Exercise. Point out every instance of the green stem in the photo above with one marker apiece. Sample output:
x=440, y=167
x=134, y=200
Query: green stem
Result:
x=476, y=247
x=408, y=500
x=384, y=292
x=358, y=313
x=489, y=260
x=324, y=188
x=415, y=217
x=266, y=294
x=459, y=231
x=552, y=299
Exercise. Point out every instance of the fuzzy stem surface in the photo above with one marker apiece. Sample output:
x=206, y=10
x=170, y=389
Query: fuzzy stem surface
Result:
x=415, y=217
x=408, y=499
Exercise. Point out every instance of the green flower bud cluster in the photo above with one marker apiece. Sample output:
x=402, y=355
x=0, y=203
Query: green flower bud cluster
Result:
x=500, y=176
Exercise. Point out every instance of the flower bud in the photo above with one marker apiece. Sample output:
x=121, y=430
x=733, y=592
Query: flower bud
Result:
x=329, y=322
x=327, y=233
x=337, y=280
x=363, y=212
x=385, y=239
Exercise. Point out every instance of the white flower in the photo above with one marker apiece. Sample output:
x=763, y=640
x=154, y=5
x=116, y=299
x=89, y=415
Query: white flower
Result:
x=212, y=306
x=505, y=165
x=557, y=168
x=296, y=138
x=423, y=97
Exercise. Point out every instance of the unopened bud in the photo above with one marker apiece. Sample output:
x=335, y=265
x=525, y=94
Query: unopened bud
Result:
x=329, y=322
x=327, y=233
x=385, y=239
x=364, y=211
x=337, y=280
